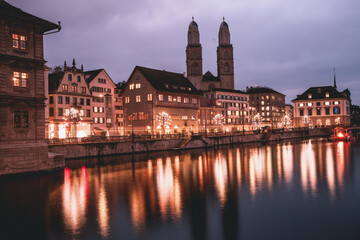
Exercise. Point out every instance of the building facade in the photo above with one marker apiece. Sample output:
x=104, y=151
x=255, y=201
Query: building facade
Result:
x=322, y=106
x=269, y=104
x=119, y=112
x=102, y=89
x=225, y=60
x=69, y=103
x=229, y=110
x=22, y=95
x=158, y=102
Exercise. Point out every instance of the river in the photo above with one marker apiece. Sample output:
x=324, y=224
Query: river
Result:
x=308, y=189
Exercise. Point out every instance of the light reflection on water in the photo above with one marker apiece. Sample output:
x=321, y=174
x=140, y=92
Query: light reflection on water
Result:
x=165, y=195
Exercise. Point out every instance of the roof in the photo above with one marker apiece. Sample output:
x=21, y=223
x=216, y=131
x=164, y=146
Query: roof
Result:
x=209, y=77
x=226, y=90
x=55, y=80
x=90, y=75
x=168, y=81
x=319, y=93
x=255, y=90
x=7, y=10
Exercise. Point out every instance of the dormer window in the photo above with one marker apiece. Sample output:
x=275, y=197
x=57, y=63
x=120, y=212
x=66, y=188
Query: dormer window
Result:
x=309, y=95
x=327, y=95
x=19, y=41
x=319, y=90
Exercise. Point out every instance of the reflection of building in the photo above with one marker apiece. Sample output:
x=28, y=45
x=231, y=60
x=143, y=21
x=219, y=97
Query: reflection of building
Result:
x=69, y=103
x=231, y=104
x=289, y=115
x=103, y=97
x=22, y=95
x=322, y=106
x=225, y=60
x=269, y=103
x=157, y=101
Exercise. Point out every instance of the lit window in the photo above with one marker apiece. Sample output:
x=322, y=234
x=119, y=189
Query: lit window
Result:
x=194, y=100
x=131, y=86
x=336, y=103
x=65, y=87
x=184, y=117
x=262, y=102
x=15, y=38
x=267, y=96
x=95, y=109
x=83, y=89
x=301, y=104
x=327, y=95
x=101, y=109
x=186, y=100
x=170, y=98
x=179, y=99
x=74, y=88
x=327, y=103
x=127, y=99
x=149, y=97
x=81, y=112
x=138, y=98
x=138, y=85
x=161, y=97
x=20, y=79
x=101, y=120
x=108, y=120
x=19, y=41
x=309, y=104
x=309, y=95
x=95, y=120
x=21, y=119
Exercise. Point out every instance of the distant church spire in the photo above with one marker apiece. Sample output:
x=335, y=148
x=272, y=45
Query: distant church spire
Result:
x=335, y=80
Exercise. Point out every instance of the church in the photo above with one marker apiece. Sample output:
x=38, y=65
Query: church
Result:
x=225, y=60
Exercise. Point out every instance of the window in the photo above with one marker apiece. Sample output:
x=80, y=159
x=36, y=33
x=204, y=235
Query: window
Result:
x=161, y=97
x=318, y=111
x=327, y=111
x=108, y=120
x=95, y=109
x=101, y=80
x=20, y=79
x=131, y=86
x=65, y=87
x=317, y=103
x=179, y=99
x=309, y=96
x=101, y=109
x=301, y=104
x=327, y=103
x=149, y=97
x=101, y=120
x=19, y=41
x=83, y=89
x=74, y=101
x=310, y=104
x=186, y=100
x=51, y=112
x=327, y=95
x=336, y=103
x=336, y=110
x=82, y=102
x=138, y=98
x=21, y=119
x=51, y=100
x=67, y=100
x=82, y=112
x=60, y=112
x=194, y=100
x=138, y=85
x=262, y=103
x=127, y=99
x=88, y=113
x=60, y=99
x=78, y=79
x=108, y=99
x=74, y=88
x=184, y=117
x=95, y=120
x=267, y=96
x=170, y=98
x=69, y=77
x=97, y=89
x=301, y=112
x=310, y=112
x=88, y=102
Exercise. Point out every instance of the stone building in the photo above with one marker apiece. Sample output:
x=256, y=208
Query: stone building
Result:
x=119, y=113
x=158, y=102
x=270, y=105
x=69, y=103
x=102, y=89
x=225, y=60
x=22, y=95
x=322, y=106
x=229, y=110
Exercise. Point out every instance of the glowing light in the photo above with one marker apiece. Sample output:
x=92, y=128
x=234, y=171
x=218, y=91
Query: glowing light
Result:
x=81, y=134
x=164, y=121
x=257, y=121
x=340, y=135
x=220, y=173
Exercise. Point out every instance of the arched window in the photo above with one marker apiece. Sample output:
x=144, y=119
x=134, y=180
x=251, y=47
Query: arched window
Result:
x=195, y=68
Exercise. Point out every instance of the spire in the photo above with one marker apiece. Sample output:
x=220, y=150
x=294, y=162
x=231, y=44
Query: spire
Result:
x=65, y=65
x=193, y=33
x=73, y=63
x=335, y=80
x=224, y=33
x=82, y=67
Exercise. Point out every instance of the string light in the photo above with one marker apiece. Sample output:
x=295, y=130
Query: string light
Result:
x=257, y=121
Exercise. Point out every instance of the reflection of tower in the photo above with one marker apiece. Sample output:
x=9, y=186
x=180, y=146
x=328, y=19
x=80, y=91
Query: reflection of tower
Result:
x=194, y=55
x=225, y=58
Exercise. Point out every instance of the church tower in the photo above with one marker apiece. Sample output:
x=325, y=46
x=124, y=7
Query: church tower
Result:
x=225, y=58
x=194, y=55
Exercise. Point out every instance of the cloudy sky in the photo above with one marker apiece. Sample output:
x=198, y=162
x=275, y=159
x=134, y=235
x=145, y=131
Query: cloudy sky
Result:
x=286, y=45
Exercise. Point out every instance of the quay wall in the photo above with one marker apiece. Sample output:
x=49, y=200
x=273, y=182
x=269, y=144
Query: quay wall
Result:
x=72, y=151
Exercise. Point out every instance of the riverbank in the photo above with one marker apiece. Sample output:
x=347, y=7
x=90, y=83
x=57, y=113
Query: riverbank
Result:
x=73, y=151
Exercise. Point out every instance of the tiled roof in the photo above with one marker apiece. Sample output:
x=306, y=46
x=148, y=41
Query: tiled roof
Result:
x=90, y=75
x=319, y=93
x=7, y=10
x=54, y=80
x=168, y=81
x=226, y=90
x=254, y=90
x=209, y=77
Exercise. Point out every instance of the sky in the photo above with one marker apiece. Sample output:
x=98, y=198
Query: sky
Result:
x=286, y=45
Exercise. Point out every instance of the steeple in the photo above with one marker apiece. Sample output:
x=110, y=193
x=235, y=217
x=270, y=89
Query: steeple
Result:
x=73, y=63
x=335, y=80
x=193, y=33
x=224, y=33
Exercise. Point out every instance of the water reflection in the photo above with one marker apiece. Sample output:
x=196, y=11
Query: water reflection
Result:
x=179, y=188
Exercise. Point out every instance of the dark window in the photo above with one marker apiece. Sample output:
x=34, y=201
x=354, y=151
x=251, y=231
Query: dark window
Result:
x=69, y=77
x=317, y=103
x=301, y=112
x=51, y=112
x=88, y=112
x=310, y=112
x=74, y=100
x=327, y=111
x=81, y=101
x=336, y=110
x=51, y=100
x=21, y=119
x=318, y=111
x=88, y=102
x=60, y=99
x=60, y=112
x=78, y=79
x=67, y=100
